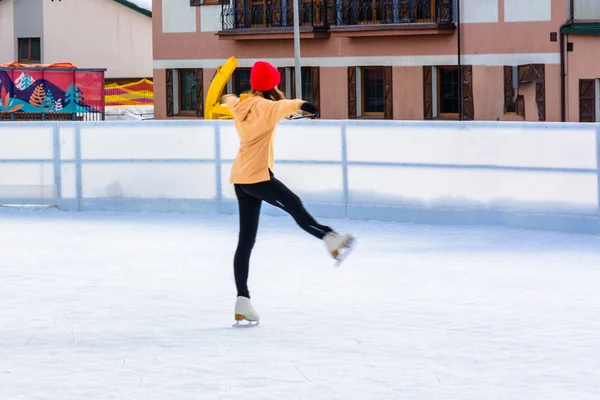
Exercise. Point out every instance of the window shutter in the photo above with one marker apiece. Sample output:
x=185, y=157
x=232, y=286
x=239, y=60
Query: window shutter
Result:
x=388, y=109
x=316, y=87
x=468, y=109
x=509, y=91
x=427, y=93
x=535, y=73
x=351, y=92
x=526, y=74
x=169, y=87
x=281, y=85
x=199, y=92
x=540, y=90
x=521, y=106
x=587, y=100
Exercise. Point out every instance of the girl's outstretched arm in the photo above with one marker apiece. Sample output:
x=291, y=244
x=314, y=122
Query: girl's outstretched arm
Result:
x=275, y=111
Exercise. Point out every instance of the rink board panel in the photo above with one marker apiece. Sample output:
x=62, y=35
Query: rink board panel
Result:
x=543, y=174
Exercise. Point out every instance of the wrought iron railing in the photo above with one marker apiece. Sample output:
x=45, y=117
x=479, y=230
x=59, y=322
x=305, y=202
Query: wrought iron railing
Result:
x=362, y=12
x=239, y=14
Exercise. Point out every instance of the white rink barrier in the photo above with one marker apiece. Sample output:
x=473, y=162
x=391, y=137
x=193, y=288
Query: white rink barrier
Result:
x=528, y=175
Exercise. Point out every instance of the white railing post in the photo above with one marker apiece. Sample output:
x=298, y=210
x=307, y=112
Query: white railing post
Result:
x=345, y=168
x=218, y=177
x=78, y=174
x=57, y=165
x=598, y=162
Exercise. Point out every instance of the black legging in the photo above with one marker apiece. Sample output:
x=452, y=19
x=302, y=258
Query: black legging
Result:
x=250, y=197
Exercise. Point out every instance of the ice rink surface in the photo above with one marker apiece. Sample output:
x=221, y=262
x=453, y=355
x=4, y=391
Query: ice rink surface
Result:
x=101, y=306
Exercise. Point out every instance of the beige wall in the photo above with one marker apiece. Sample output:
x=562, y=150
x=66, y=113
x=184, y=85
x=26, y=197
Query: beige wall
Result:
x=407, y=93
x=488, y=92
x=531, y=109
x=334, y=86
x=582, y=63
x=7, y=35
x=160, y=107
x=106, y=35
x=553, y=93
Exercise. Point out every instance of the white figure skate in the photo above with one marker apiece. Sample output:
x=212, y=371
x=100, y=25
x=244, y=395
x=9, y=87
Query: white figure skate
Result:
x=339, y=246
x=245, y=312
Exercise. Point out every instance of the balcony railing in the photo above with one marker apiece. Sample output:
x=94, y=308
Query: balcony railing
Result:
x=241, y=14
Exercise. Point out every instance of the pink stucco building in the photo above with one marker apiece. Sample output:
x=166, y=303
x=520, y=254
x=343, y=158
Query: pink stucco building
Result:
x=390, y=59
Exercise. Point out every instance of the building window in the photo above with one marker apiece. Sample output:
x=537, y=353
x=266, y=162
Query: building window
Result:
x=307, y=84
x=370, y=92
x=372, y=97
x=188, y=102
x=441, y=92
x=311, y=84
x=184, y=92
x=448, y=91
x=239, y=82
x=29, y=50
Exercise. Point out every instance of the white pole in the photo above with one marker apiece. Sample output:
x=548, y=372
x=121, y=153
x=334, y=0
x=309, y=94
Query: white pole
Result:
x=298, y=72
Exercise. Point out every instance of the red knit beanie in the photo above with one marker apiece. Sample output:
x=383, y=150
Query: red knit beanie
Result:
x=264, y=76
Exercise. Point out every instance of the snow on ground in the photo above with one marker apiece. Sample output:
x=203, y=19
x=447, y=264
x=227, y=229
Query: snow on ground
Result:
x=140, y=306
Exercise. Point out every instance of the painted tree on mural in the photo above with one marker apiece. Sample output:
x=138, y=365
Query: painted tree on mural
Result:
x=58, y=105
x=24, y=81
x=73, y=95
x=37, y=98
x=48, y=103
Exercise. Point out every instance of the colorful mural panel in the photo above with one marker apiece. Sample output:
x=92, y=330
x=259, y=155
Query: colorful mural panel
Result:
x=139, y=93
x=51, y=90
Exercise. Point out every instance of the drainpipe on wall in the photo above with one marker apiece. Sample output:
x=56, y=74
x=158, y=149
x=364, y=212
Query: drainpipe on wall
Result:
x=563, y=74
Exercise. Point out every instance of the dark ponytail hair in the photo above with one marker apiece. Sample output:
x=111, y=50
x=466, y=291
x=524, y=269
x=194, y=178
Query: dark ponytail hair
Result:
x=274, y=94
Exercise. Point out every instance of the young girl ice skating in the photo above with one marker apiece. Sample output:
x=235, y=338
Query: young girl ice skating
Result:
x=256, y=117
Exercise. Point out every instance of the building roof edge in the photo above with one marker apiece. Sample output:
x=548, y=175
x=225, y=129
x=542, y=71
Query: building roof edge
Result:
x=135, y=7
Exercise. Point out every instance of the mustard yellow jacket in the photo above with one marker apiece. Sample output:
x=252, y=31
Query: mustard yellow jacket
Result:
x=256, y=120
